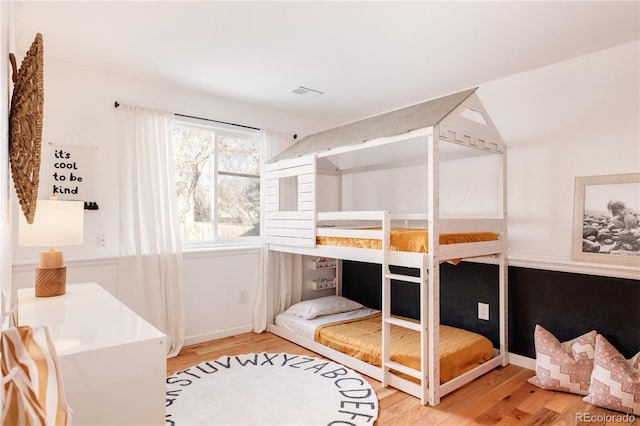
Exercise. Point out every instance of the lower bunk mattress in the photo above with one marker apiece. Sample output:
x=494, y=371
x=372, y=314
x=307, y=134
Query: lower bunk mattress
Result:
x=358, y=333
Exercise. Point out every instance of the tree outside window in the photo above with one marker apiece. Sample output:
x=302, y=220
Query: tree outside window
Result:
x=218, y=184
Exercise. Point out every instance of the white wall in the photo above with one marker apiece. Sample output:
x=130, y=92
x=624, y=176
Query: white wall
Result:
x=468, y=186
x=213, y=282
x=78, y=110
x=580, y=117
x=5, y=214
x=575, y=118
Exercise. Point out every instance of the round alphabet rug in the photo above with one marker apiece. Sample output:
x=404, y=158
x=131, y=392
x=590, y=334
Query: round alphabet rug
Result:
x=269, y=389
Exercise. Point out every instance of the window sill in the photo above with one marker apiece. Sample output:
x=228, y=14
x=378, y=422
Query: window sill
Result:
x=205, y=251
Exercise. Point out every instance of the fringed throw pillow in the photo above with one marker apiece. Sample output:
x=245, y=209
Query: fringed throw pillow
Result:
x=563, y=366
x=32, y=387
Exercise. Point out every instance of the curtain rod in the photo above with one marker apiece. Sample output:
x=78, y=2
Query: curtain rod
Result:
x=116, y=105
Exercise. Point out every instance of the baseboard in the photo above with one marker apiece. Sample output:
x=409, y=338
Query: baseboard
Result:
x=219, y=334
x=522, y=361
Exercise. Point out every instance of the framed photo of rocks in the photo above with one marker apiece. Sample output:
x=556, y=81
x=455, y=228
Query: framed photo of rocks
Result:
x=606, y=219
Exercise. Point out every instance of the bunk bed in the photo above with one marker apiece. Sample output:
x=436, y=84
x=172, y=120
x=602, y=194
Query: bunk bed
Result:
x=421, y=137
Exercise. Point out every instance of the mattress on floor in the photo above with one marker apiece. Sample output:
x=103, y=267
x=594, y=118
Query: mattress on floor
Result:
x=361, y=337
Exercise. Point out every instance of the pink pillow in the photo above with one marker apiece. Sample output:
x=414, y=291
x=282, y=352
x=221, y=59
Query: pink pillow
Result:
x=615, y=381
x=563, y=366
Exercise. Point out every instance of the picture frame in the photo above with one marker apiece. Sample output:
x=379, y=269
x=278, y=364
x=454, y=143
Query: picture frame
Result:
x=606, y=219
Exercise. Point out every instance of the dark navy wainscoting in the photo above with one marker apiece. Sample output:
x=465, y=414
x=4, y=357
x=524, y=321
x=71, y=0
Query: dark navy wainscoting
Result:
x=569, y=305
x=566, y=304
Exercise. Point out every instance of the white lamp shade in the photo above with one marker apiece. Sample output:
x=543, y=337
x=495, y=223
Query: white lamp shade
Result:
x=56, y=223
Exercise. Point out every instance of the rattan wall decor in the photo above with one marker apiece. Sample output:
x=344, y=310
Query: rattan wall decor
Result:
x=25, y=126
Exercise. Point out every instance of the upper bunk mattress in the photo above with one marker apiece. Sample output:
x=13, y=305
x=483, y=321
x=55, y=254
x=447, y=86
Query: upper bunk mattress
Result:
x=407, y=239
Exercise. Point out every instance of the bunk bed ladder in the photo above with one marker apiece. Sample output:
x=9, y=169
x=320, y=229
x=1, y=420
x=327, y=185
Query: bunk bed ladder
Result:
x=390, y=367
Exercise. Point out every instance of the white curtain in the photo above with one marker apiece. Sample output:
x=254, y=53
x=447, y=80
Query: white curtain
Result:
x=150, y=278
x=280, y=273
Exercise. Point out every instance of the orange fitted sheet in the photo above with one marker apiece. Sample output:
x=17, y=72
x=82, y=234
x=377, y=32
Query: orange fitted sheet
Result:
x=460, y=350
x=407, y=239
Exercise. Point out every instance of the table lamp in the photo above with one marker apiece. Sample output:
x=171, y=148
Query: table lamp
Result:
x=56, y=223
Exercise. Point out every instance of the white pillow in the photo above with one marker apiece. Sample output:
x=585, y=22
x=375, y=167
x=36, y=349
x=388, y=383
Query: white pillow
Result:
x=310, y=309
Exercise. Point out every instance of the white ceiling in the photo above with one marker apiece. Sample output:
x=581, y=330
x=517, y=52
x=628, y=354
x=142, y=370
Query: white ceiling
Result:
x=367, y=57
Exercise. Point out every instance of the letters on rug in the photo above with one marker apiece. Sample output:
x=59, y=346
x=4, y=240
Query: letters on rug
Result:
x=269, y=389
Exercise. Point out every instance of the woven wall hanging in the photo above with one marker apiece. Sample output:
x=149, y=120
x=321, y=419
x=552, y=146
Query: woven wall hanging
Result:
x=25, y=126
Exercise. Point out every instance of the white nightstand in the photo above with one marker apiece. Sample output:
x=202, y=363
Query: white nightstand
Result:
x=113, y=362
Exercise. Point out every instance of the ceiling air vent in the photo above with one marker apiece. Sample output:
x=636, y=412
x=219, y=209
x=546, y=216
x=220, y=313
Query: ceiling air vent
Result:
x=305, y=91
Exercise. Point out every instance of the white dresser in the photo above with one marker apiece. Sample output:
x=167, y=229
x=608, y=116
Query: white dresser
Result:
x=113, y=362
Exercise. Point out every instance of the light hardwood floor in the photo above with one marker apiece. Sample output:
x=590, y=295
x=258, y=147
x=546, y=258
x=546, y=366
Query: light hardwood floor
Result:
x=502, y=396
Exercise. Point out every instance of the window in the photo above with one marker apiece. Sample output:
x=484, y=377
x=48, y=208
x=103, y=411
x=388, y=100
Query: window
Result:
x=218, y=184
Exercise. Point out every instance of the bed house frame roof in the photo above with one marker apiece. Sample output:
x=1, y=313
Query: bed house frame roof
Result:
x=388, y=125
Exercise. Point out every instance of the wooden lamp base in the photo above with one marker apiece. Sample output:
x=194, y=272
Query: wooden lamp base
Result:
x=51, y=281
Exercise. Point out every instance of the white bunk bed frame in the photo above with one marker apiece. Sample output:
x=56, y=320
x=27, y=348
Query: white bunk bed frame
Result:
x=444, y=119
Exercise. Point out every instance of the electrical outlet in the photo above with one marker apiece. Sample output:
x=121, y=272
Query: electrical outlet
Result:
x=102, y=240
x=242, y=297
x=483, y=311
